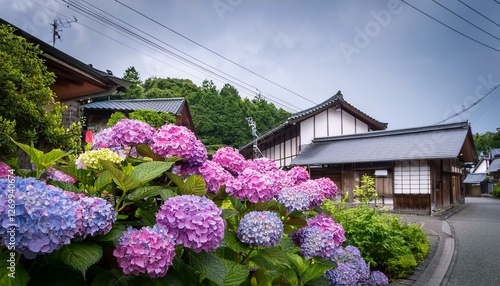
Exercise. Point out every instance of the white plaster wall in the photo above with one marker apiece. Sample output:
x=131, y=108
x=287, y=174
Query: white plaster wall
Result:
x=361, y=127
x=306, y=131
x=321, y=124
x=348, y=123
x=334, y=122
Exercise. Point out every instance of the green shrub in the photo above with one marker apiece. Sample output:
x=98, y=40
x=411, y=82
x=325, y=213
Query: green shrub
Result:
x=496, y=191
x=386, y=243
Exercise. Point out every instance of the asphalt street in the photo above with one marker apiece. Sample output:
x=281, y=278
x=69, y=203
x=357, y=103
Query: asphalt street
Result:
x=476, y=229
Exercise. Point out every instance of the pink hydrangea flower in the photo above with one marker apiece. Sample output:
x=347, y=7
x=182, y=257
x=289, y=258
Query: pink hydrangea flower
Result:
x=57, y=175
x=313, y=190
x=327, y=187
x=149, y=250
x=4, y=170
x=254, y=186
x=102, y=139
x=296, y=176
x=262, y=165
x=173, y=140
x=194, y=221
x=230, y=159
x=214, y=175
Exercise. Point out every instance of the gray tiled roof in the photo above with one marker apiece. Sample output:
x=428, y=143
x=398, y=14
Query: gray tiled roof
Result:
x=170, y=105
x=495, y=152
x=475, y=178
x=430, y=142
x=494, y=166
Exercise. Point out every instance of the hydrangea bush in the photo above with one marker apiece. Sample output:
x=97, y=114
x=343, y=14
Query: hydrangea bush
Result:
x=169, y=213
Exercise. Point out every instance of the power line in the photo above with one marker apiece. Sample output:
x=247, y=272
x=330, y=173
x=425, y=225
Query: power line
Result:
x=479, y=13
x=94, y=14
x=470, y=106
x=470, y=38
x=215, y=53
x=465, y=20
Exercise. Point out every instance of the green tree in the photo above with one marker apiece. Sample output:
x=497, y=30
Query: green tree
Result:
x=28, y=104
x=487, y=141
x=135, y=90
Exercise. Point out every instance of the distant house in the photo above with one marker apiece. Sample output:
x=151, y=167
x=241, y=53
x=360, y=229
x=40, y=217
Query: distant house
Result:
x=333, y=117
x=75, y=80
x=417, y=170
x=97, y=113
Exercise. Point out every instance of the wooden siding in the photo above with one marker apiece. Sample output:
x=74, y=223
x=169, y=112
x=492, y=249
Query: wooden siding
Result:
x=412, y=203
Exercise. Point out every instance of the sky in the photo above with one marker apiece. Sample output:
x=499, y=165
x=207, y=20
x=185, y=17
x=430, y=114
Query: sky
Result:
x=409, y=64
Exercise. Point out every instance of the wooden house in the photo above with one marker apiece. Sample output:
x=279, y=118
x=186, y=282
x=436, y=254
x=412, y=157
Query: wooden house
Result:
x=417, y=170
x=97, y=113
x=75, y=81
x=333, y=117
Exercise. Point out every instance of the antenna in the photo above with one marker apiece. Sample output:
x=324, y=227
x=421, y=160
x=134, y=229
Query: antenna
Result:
x=255, y=135
x=57, y=26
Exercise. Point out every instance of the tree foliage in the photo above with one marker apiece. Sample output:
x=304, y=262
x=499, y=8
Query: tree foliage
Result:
x=28, y=108
x=219, y=116
x=487, y=141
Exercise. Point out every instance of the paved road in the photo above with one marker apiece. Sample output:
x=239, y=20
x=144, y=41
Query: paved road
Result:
x=476, y=260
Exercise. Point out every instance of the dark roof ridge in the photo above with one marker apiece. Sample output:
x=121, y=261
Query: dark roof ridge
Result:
x=380, y=133
x=147, y=99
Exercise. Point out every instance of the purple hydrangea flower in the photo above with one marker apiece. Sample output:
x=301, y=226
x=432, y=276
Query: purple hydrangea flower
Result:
x=254, y=186
x=44, y=220
x=149, y=250
x=57, y=175
x=296, y=176
x=194, y=221
x=351, y=256
x=94, y=215
x=195, y=162
x=173, y=140
x=4, y=170
x=294, y=200
x=214, y=175
x=230, y=159
x=102, y=139
x=377, y=278
x=343, y=275
x=314, y=192
x=321, y=237
x=130, y=132
x=260, y=228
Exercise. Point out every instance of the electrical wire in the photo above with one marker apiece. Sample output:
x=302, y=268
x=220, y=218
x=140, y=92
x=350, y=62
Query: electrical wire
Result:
x=77, y=7
x=447, y=9
x=215, y=53
x=455, y=30
x=481, y=14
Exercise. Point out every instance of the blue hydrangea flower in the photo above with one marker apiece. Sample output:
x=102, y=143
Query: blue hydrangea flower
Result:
x=343, y=275
x=44, y=219
x=149, y=250
x=260, y=228
x=377, y=278
x=294, y=200
x=315, y=241
x=349, y=256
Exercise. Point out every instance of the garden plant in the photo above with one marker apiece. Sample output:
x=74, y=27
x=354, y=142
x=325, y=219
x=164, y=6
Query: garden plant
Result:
x=145, y=206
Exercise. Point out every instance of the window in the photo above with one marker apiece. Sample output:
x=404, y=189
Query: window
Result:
x=412, y=177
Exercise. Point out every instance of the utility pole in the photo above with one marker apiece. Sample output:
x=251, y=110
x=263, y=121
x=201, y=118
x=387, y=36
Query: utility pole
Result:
x=57, y=26
x=256, y=136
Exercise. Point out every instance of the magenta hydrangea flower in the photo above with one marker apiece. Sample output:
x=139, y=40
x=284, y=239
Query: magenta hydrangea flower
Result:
x=293, y=199
x=214, y=175
x=295, y=176
x=254, y=186
x=148, y=250
x=44, y=220
x=230, y=159
x=194, y=221
x=4, y=170
x=173, y=140
x=131, y=132
x=321, y=237
x=260, y=228
x=95, y=216
x=262, y=165
x=327, y=187
x=57, y=175
x=195, y=162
